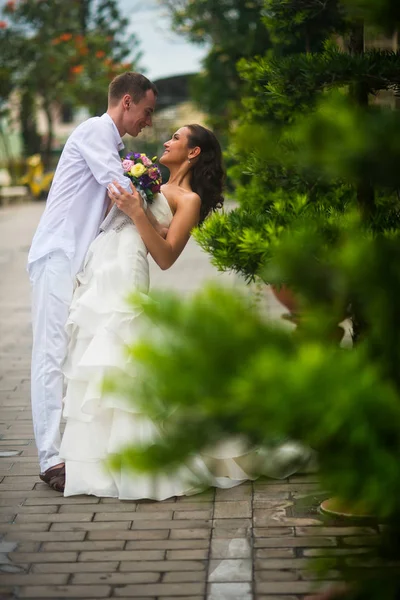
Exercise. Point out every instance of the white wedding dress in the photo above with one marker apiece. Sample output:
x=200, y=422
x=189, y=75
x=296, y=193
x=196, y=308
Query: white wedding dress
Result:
x=101, y=322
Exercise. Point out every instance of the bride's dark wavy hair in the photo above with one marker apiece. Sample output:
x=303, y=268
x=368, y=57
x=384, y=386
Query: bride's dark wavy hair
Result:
x=208, y=174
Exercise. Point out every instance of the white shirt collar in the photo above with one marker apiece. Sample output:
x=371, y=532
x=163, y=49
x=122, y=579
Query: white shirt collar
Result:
x=118, y=138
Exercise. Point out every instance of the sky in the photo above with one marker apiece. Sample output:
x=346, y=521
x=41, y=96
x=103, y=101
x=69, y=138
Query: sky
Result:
x=164, y=53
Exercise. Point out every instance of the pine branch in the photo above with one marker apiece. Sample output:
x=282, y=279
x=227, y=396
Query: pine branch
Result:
x=295, y=81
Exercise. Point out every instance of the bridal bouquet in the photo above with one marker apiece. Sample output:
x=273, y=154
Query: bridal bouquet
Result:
x=144, y=173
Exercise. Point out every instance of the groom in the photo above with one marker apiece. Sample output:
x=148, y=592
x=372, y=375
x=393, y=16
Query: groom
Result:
x=75, y=208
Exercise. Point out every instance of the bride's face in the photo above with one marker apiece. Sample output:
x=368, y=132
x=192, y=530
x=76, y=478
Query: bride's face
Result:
x=177, y=150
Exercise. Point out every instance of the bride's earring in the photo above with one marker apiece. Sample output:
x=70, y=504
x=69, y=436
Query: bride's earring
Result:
x=189, y=160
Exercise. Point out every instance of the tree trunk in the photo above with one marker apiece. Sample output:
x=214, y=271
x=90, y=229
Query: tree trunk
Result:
x=7, y=153
x=365, y=191
x=84, y=15
x=30, y=136
x=50, y=135
x=359, y=92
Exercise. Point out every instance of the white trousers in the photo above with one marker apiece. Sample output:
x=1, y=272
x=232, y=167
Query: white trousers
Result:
x=52, y=288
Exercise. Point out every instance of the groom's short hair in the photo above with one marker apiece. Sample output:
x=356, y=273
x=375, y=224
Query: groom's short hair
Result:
x=134, y=84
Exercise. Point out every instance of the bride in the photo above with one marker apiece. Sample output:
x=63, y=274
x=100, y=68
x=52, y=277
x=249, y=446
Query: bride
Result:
x=101, y=323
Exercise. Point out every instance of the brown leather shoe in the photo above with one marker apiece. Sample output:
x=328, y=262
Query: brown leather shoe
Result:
x=55, y=478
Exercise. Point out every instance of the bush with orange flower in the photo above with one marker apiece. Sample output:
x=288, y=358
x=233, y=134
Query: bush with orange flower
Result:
x=58, y=52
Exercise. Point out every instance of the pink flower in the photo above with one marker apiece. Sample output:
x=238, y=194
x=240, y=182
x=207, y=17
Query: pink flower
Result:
x=146, y=161
x=156, y=189
x=153, y=173
x=127, y=164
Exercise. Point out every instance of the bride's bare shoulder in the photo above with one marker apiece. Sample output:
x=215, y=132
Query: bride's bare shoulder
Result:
x=177, y=196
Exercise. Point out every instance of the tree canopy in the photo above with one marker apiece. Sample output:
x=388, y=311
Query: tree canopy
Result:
x=65, y=53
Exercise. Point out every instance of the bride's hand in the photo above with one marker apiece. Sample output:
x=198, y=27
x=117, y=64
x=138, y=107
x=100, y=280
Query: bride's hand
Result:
x=130, y=203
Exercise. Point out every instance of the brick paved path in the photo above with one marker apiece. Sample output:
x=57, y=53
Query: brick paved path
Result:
x=250, y=542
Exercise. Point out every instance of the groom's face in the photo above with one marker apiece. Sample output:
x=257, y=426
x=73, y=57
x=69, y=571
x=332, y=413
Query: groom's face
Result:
x=140, y=115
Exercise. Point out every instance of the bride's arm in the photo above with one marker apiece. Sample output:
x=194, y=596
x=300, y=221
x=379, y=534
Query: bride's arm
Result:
x=164, y=252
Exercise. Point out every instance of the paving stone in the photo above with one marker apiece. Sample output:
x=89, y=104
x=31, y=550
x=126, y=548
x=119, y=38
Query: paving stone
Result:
x=142, y=535
x=183, y=576
x=8, y=518
x=181, y=545
x=37, y=510
x=74, y=567
x=90, y=526
x=188, y=506
x=229, y=591
x=45, y=536
x=65, y=591
x=207, y=496
x=261, y=563
x=193, y=514
x=164, y=565
x=270, y=519
x=272, y=575
x=25, y=527
x=161, y=589
x=284, y=587
x=192, y=534
x=231, y=532
x=177, y=524
x=228, y=570
x=83, y=546
x=16, y=501
x=260, y=532
x=24, y=546
x=182, y=598
x=115, y=578
x=300, y=542
x=276, y=552
x=232, y=510
x=189, y=554
x=42, y=557
x=280, y=597
x=131, y=516
x=18, y=486
x=241, y=492
x=53, y=518
x=230, y=548
x=125, y=555
x=33, y=579
x=233, y=524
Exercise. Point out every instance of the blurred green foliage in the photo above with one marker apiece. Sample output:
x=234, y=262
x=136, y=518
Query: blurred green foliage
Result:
x=213, y=367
